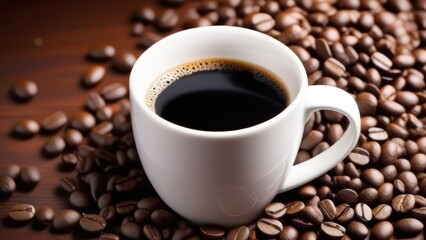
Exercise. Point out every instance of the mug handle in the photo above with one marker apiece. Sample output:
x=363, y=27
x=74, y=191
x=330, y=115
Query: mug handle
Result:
x=321, y=97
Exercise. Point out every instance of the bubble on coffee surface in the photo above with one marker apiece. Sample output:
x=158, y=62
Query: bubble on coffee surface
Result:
x=209, y=64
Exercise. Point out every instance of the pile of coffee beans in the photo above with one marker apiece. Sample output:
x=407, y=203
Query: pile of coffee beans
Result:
x=375, y=50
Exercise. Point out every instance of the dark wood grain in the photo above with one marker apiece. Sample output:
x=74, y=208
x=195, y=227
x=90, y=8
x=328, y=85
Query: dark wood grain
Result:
x=68, y=29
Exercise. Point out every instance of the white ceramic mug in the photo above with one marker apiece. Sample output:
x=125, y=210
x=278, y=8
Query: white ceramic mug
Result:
x=228, y=177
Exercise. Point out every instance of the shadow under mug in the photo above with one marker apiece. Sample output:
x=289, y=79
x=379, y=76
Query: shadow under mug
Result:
x=227, y=178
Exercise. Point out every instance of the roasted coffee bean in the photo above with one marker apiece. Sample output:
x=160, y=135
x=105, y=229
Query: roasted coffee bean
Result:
x=409, y=180
x=92, y=223
x=377, y=134
x=327, y=208
x=261, y=22
x=420, y=200
x=332, y=230
x=382, y=230
x=22, y=212
x=294, y=207
x=212, y=232
x=418, y=163
x=288, y=233
x=83, y=121
x=44, y=216
x=368, y=195
x=419, y=213
x=399, y=185
x=54, y=122
x=275, y=210
x=104, y=200
x=358, y=230
x=131, y=230
x=269, y=227
x=389, y=153
x=334, y=68
x=168, y=20
x=126, y=184
x=73, y=138
x=54, y=145
x=67, y=184
x=65, y=220
x=311, y=139
x=403, y=203
x=80, y=199
x=126, y=207
x=344, y=213
x=307, y=191
x=313, y=214
x=151, y=232
x=108, y=213
x=347, y=195
x=113, y=91
x=93, y=75
x=94, y=101
x=85, y=164
x=359, y=156
x=11, y=170
x=108, y=236
x=341, y=181
x=381, y=61
x=104, y=113
x=363, y=212
x=408, y=226
x=29, y=176
x=7, y=186
x=147, y=39
x=101, y=53
x=26, y=128
x=385, y=193
x=163, y=218
x=238, y=233
x=137, y=28
x=381, y=212
x=183, y=233
x=24, y=90
x=391, y=108
x=322, y=49
x=124, y=61
x=373, y=177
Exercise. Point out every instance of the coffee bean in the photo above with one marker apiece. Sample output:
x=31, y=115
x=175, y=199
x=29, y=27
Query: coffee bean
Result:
x=327, y=208
x=385, y=193
x=67, y=184
x=212, y=232
x=269, y=227
x=358, y=230
x=408, y=226
x=24, y=90
x=72, y=138
x=294, y=207
x=307, y=191
x=7, y=186
x=29, y=176
x=44, y=216
x=113, y=91
x=126, y=184
x=54, y=145
x=381, y=61
x=368, y=195
x=419, y=213
x=54, y=122
x=163, y=218
x=363, y=212
x=83, y=121
x=22, y=212
x=168, y=20
x=79, y=199
x=373, y=177
x=313, y=138
x=275, y=210
x=347, y=195
x=11, y=170
x=183, y=233
x=151, y=232
x=262, y=22
x=377, y=134
x=126, y=207
x=420, y=200
x=94, y=101
x=147, y=39
x=399, y=185
x=108, y=236
x=65, y=220
x=403, y=203
x=131, y=230
x=344, y=213
x=313, y=214
x=332, y=230
x=93, y=75
x=101, y=53
x=108, y=213
x=334, y=68
x=26, y=128
x=238, y=233
x=124, y=61
x=382, y=230
x=389, y=153
x=288, y=233
x=92, y=223
x=359, y=156
x=381, y=212
x=409, y=180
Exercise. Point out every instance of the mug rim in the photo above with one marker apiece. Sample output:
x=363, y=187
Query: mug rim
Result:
x=138, y=102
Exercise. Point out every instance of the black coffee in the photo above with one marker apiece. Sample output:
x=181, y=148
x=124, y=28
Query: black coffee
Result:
x=218, y=95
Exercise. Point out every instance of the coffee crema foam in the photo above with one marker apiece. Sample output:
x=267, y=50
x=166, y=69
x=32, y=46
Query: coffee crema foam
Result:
x=209, y=64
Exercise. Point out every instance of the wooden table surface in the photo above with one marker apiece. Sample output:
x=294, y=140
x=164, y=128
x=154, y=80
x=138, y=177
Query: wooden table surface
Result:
x=46, y=41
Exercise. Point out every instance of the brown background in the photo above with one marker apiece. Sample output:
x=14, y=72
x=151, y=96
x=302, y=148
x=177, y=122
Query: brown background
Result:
x=68, y=29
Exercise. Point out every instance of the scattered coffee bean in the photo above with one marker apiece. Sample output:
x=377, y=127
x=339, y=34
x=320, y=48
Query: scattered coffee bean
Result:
x=381, y=212
x=113, y=91
x=73, y=138
x=347, y=195
x=26, y=128
x=363, y=212
x=238, y=233
x=294, y=207
x=44, y=216
x=124, y=61
x=29, y=176
x=275, y=210
x=403, y=203
x=168, y=20
x=65, y=220
x=22, y=212
x=54, y=145
x=313, y=214
x=358, y=230
x=147, y=39
x=12, y=170
x=332, y=230
x=126, y=207
x=359, y=156
x=101, y=53
x=262, y=22
x=92, y=223
x=408, y=226
x=93, y=75
x=151, y=232
x=80, y=200
x=269, y=227
x=108, y=236
x=131, y=230
x=108, y=213
x=212, y=232
x=163, y=218
x=382, y=230
x=24, y=90
x=54, y=121
x=344, y=213
x=7, y=186
x=377, y=134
